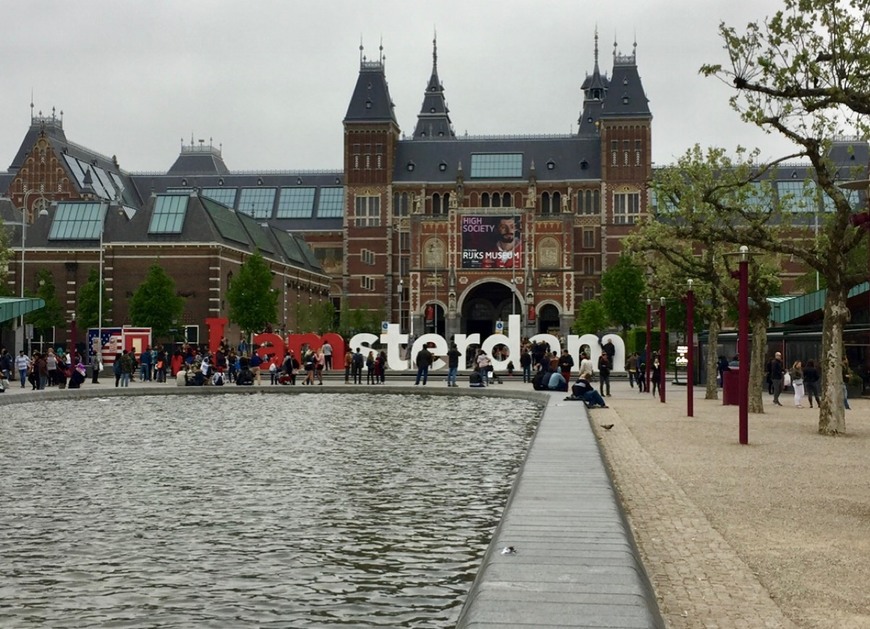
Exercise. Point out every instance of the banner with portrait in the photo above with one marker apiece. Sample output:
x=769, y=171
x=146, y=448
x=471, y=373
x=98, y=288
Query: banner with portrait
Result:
x=491, y=242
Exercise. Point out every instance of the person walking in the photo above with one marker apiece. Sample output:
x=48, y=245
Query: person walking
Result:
x=348, y=365
x=797, y=381
x=847, y=373
x=526, y=364
x=811, y=382
x=776, y=373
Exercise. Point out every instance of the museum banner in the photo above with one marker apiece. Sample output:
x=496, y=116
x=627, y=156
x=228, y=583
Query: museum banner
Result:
x=491, y=242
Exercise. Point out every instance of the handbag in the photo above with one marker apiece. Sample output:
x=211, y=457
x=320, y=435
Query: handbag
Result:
x=786, y=380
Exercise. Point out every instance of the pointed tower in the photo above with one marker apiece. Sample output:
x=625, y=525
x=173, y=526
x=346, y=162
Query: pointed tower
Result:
x=371, y=135
x=594, y=92
x=434, y=118
x=626, y=153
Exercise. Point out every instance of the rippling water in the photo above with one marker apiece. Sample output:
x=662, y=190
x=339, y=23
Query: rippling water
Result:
x=251, y=510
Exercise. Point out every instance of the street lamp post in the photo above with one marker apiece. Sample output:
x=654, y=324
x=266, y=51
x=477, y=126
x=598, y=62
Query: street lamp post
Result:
x=663, y=349
x=401, y=286
x=690, y=342
x=743, y=344
x=24, y=212
x=648, y=360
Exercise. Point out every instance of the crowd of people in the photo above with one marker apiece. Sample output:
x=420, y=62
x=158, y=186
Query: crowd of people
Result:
x=41, y=370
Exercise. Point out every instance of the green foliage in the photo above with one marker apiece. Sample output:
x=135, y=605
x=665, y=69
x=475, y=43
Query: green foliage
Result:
x=51, y=315
x=318, y=317
x=253, y=303
x=591, y=318
x=88, y=306
x=622, y=289
x=357, y=320
x=155, y=304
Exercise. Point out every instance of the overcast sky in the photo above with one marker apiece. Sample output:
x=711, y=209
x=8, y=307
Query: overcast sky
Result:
x=271, y=80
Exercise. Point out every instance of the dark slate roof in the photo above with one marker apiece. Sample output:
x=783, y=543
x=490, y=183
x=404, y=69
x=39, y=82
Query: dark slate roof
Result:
x=5, y=181
x=204, y=221
x=625, y=96
x=148, y=184
x=107, y=181
x=52, y=126
x=434, y=118
x=371, y=100
x=572, y=158
x=201, y=159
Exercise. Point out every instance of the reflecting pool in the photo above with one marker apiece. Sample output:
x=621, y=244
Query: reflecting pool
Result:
x=251, y=510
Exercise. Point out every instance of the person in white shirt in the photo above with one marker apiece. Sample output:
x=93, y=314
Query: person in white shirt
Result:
x=22, y=364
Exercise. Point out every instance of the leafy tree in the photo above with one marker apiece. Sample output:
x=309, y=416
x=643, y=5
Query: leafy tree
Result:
x=805, y=74
x=357, y=320
x=51, y=315
x=318, y=317
x=622, y=289
x=591, y=317
x=689, y=232
x=88, y=307
x=155, y=304
x=253, y=303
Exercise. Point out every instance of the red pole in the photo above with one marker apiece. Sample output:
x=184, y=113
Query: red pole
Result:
x=663, y=350
x=648, y=359
x=743, y=345
x=690, y=337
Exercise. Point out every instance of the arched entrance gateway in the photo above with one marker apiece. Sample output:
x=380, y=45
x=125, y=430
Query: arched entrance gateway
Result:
x=485, y=304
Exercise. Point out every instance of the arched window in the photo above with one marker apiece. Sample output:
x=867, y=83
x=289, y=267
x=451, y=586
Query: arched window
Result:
x=436, y=203
x=556, y=203
x=496, y=199
x=546, y=208
x=484, y=199
x=507, y=200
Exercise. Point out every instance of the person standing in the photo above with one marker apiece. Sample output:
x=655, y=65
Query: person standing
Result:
x=424, y=361
x=604, y=374
x=797, y=381
x=776, y=373
x=526, y=364
x=127, y=367
x=655, y=374
x=484, y=364
x=631, y=367
x=811, y=382
x=145, y=359
x=453, y=355
x=566, y=363
x=586, y=365
x=22, y=364
x=357, y=367
x=348, y=365
x=847, y=373
x=326, y=348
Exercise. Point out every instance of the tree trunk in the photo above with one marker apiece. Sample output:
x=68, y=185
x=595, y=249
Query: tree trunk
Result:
x=832, y=413
x=756, y=367
x=712, y=362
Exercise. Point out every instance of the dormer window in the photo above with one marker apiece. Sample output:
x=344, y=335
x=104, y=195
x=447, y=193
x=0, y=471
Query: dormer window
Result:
x=551, y=165
x=625, y=100
x=410, y=166
x=442, y=167
x=368, y=104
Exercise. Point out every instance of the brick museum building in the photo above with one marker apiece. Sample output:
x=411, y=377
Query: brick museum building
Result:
x=441, y=232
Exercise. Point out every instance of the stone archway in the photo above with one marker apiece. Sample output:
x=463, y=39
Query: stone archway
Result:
x=486, y=303
x=549, y=320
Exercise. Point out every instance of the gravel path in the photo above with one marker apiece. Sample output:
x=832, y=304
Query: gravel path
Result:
x=772, y=534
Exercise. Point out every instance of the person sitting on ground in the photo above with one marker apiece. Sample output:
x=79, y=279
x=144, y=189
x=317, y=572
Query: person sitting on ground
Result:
x=583, y=390
x=474, y=379
x=557, y=382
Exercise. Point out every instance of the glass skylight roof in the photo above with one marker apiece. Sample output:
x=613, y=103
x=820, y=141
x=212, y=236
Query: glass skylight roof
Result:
x=103, y=183
x=496, y=165
x=226, y=221
x=78, y=221
x=331, y=203
x=257, y=202
x=296, y=203
x=224, y=196
x=168, y=215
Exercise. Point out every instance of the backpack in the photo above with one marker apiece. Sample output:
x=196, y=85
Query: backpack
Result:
x=358, y=360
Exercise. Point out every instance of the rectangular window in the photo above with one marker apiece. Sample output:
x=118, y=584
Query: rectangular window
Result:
x=224, y=196
x=367, y=211
x=257, y=202
x=404, y=266
x=589, y=265
x=296, y=203
x=404, y=241
x=367, y=283
x=367, y=256
x=588, y=238
x=496, y=165
x=588, y=293
x=626, y=207
x=330, y=204
x=168, y=215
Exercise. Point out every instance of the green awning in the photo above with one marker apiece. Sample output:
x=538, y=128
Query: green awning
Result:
x=13, y=307
x=787, y=309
